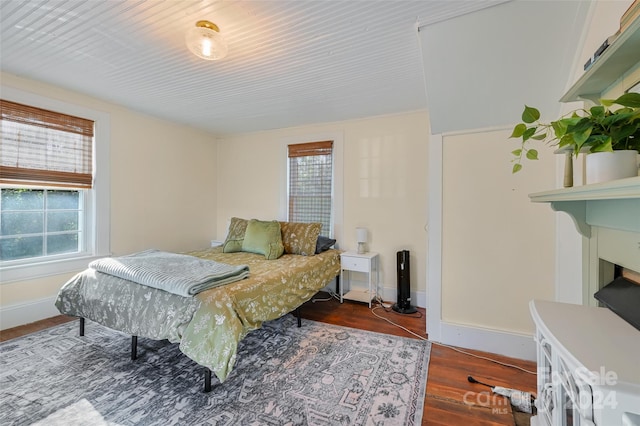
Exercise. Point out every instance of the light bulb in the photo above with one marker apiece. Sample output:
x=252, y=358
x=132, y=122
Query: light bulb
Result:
x=206, y=46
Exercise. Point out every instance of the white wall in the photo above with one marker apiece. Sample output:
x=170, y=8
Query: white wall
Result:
x=498, y=247
x=384, y=184
x=163, y=193
x=490, y=249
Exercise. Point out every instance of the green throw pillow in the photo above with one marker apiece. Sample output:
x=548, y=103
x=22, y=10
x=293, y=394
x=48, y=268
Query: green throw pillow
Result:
x=300, y=238
x=235, y=236
x=263, y=237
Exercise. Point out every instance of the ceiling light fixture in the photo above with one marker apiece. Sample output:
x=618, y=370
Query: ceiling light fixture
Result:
x=205, y=41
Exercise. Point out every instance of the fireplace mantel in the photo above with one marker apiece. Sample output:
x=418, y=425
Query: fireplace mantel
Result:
x=614, y=204
x=608, y=216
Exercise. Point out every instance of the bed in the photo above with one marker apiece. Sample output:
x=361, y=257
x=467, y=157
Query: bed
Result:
x=209, y=325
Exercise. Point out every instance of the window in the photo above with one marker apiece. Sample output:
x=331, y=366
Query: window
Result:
x=54, y=184
x=41, y=147
x=40, y=222
x=311, y=184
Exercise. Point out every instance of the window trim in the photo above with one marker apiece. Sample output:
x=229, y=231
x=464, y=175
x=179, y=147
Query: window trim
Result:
x=98, y=216
x=338, y=177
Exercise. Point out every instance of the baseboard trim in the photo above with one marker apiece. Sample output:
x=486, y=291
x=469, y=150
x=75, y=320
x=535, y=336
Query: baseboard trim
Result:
x=28, y=312
x=505, y=343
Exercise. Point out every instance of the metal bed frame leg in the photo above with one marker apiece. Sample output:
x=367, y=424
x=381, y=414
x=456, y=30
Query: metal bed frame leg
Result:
x=134, y=348
x=134, y=352
x=207, y=379
x=297, y=314
x=297, y=311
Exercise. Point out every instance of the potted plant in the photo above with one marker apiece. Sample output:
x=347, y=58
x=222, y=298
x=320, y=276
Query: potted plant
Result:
x=612, y=127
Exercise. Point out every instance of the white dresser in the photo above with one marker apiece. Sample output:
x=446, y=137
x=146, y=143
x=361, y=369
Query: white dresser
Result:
x=588, y=366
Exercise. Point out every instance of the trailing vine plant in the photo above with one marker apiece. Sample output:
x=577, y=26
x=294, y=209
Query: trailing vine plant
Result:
x=597, y=129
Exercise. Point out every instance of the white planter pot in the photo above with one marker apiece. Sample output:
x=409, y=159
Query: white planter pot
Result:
x=606, y=166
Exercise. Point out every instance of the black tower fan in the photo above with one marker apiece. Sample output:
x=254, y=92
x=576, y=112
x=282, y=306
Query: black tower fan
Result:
x=404, y=285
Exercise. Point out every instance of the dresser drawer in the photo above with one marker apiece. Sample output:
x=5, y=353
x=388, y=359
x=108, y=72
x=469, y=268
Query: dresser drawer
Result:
x=355, y=263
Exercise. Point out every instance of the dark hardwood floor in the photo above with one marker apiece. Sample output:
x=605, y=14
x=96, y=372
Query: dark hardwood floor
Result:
x=450, y=399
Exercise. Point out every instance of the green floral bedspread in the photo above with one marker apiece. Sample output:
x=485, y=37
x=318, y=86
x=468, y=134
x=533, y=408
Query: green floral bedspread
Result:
x=210, y=325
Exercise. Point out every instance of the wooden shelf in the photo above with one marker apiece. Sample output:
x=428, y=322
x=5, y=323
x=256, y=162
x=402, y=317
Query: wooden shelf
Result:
x=616, y=189
x=614, y=204
x=359, y=295
x=616, y=60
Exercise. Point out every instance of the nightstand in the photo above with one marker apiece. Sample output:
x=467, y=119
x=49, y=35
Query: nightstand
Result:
x=359, y=262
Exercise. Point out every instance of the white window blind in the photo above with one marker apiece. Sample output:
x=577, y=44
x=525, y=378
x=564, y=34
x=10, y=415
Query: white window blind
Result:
x=310, y=183
x=42, y=147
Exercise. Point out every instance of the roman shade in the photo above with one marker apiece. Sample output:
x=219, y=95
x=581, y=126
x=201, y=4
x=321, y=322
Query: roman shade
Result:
x=42, y=147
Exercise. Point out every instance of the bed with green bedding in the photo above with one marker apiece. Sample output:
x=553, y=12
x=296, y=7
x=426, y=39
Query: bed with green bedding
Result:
x=209, y=325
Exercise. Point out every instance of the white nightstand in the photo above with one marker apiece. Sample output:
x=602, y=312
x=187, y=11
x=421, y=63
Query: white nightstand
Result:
x=365, y=262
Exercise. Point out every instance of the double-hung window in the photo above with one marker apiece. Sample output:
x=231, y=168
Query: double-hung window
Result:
x=311, y=184
x=48, y=197
x=45, y=169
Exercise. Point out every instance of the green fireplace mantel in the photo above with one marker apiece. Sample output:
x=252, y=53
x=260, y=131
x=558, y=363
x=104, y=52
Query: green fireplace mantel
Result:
x=614, y=204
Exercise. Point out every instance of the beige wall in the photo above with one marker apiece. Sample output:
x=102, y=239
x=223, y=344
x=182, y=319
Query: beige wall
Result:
x=163, y=186
x=384, y=183
x=497, y=246
x=495, y=259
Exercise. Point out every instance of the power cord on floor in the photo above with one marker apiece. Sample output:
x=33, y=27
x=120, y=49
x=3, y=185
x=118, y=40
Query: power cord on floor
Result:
x=380, y=303
x=332, y=295
x=387, y=308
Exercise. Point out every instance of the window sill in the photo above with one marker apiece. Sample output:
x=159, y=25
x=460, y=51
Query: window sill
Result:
x=43, y=269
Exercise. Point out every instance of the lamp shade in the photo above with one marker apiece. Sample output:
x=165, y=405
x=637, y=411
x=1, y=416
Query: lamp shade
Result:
x=361, y=235
x=205, y=41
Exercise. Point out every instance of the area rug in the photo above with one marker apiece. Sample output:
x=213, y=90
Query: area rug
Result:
x=318, y=374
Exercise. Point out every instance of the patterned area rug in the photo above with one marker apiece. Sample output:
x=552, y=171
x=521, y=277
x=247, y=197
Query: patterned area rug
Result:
x=315, y=375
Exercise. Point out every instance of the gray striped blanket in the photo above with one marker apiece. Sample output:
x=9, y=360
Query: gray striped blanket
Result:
x=176, y=273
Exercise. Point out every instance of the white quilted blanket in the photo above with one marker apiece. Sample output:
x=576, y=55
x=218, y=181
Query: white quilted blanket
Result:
x=176, y=273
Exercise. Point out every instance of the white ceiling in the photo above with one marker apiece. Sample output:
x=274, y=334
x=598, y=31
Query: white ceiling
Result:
x=290, y=63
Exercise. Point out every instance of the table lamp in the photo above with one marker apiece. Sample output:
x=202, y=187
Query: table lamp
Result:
x=361, y=238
